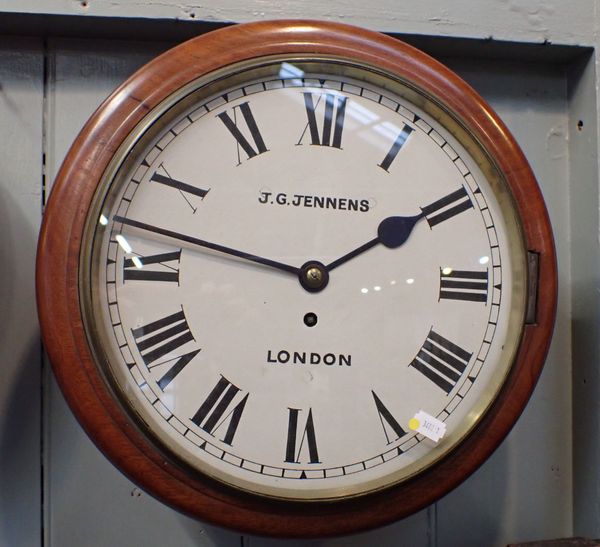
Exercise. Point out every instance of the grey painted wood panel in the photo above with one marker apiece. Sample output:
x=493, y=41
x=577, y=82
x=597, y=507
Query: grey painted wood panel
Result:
x=585, y=288
x=21, y=99
x=553, y=21
x=523, y=493
x=414, y=531
x=90, y=503
x=82, y=74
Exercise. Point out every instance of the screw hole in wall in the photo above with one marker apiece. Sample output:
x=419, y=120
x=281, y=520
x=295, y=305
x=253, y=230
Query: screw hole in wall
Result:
x=580, y=125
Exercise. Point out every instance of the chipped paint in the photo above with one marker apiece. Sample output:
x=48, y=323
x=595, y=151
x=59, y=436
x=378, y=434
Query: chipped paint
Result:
x=557, y=142
x=536, y=13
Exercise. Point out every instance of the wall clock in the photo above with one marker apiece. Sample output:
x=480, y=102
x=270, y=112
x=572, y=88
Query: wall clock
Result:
x=296, y=278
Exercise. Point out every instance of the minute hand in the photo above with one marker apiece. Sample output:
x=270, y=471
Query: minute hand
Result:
x=392, y=232
x=207, y=244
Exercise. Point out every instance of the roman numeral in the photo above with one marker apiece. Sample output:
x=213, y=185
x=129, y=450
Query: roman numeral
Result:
x=159, y=338
x=258, y=146
x=183, y=188
x=175, y=368
x=396, y=147
x=466, y=285
x=293, y=448
x=441, y=361
x=447, y=207
x=385, y=417
x=218, y=407
x=326, y=137
x=136, y=268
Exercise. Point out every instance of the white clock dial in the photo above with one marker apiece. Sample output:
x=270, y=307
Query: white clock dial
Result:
x=290, y=264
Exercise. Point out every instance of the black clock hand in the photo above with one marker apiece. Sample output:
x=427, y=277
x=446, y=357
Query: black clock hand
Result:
x=207, y=244
x=392, y=232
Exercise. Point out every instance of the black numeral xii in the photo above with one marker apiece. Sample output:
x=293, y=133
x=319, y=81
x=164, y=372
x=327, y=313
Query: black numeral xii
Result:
x=330, y=131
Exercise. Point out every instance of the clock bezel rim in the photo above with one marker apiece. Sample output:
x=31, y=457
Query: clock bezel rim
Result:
x=55, y=276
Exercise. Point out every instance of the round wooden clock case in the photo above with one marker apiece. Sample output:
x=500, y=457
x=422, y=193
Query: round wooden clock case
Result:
x=278, y=261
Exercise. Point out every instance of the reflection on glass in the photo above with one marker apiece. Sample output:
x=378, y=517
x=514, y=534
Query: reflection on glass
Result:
x=484, y=260
x=123, y=243
x=361, y=114
x=410, y=281
x=446, y=270
x=103, y=220
x=292, y=72
x=136, y=260
x=388, y=130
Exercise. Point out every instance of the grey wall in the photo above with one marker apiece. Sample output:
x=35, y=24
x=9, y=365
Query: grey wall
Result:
x=57, y=490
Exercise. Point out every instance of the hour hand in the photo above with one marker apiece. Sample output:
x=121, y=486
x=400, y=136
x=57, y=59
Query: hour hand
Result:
x=392, y=232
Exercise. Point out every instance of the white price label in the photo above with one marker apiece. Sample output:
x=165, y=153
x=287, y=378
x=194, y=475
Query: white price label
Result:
x=428, y=426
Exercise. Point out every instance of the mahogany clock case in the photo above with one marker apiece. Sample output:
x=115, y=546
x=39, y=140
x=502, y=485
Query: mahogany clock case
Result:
x=91, y=396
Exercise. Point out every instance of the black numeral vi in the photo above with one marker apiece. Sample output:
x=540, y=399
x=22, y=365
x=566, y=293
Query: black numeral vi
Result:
x=293, y=447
